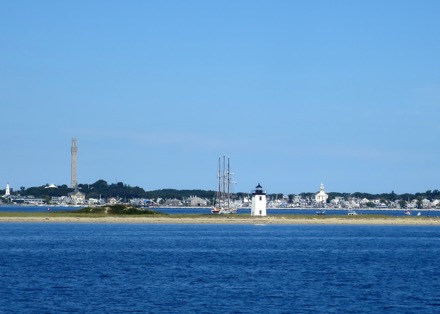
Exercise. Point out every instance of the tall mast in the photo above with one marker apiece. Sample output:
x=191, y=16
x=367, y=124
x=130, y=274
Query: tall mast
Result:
x=224, y=177
x=224, y=204
x=229, y=182
x=219, y=183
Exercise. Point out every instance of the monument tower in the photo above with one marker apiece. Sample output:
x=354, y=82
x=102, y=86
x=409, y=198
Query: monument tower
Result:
x=74, y=151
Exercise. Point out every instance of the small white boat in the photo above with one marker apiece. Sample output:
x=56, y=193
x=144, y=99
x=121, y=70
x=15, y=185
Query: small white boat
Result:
x=215, y=210
x=352, y=213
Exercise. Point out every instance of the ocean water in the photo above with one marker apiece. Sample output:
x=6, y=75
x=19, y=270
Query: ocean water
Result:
x=207, y=211
x=130, y=268
x=302, y=211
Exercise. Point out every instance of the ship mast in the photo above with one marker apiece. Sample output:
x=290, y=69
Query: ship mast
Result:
x=219, y=183
x=229, y=183
x=224, y=178
x=223, y=203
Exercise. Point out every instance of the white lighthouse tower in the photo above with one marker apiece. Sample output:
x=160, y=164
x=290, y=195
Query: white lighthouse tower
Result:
x=258, y=202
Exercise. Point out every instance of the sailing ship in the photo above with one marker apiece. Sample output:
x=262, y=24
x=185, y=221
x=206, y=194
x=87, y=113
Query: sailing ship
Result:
x=223, y=203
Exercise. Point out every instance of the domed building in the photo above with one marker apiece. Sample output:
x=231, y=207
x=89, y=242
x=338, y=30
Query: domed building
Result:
x=321, y=196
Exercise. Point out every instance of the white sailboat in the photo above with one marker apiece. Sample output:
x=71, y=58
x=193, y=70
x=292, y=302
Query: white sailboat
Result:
x=223, y=203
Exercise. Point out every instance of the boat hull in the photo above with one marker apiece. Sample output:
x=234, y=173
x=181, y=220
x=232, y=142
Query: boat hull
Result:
x=220, y=210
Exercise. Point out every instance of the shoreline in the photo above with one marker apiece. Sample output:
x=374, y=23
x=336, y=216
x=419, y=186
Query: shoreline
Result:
x=372, y=209
x=233, y=220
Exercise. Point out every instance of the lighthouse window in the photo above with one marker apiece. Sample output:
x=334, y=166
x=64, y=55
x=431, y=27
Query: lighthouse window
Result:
x=261, y=198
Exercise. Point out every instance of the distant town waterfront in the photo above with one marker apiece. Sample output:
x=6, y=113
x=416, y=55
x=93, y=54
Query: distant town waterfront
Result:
x=102, y=193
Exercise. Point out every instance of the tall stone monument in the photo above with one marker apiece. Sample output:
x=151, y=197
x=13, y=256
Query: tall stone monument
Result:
x=74, y=151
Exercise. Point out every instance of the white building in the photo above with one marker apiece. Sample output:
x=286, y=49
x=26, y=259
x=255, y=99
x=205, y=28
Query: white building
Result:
x=195, y=201
x=321, y=196
x=8, y=190
x=77, y=197
x=426, y=203
x=258, y=207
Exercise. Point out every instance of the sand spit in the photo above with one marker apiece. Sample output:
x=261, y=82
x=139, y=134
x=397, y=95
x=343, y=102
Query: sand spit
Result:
x=282, y=220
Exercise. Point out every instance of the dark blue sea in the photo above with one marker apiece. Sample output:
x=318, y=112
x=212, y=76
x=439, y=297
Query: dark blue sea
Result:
x=205, y=210
x=131, y=268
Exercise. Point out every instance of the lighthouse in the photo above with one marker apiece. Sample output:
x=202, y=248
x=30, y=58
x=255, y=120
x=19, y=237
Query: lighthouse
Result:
x=258, y=201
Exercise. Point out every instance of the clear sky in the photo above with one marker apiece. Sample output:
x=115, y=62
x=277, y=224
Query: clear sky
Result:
x=346, y=93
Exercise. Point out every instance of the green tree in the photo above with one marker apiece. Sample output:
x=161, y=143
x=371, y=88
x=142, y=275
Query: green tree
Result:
x=392, y=196
x=371, y=205
x=100, y=184
x=402, y=203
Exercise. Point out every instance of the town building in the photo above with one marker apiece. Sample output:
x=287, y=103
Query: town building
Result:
x=321, y=196
x=77, y=197
x=8, y=190
x=195, y=201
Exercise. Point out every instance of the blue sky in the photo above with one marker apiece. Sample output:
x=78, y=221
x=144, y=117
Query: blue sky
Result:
x=296, y=93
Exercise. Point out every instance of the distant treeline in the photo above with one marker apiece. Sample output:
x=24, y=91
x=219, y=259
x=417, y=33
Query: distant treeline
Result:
x=104, y=190
x=101, y=189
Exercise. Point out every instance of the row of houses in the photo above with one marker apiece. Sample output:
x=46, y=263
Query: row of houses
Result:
x=319, y=201
x=78, y=198
x=299, y=202
x=352, y=202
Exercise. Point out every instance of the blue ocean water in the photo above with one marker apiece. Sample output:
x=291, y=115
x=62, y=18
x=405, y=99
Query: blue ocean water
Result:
x=207, y=211
x=302, y=211
x=131, y=268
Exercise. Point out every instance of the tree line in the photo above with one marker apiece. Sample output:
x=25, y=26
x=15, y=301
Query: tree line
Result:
x=101, y=189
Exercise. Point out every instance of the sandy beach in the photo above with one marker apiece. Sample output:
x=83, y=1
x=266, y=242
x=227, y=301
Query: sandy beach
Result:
x=281, y=220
